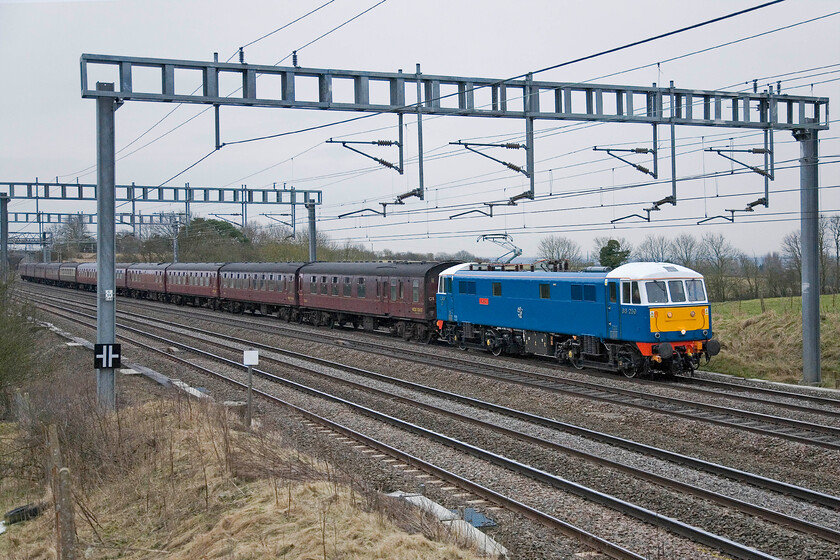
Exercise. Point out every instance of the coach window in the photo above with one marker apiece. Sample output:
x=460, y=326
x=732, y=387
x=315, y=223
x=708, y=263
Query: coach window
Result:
x=545, y=291
x=313, y=284
x=497, y=288
x=393, y=290
x=415, y=291
x=335, y=285
x=360, y=289
x=324, y=285
x=348, y=286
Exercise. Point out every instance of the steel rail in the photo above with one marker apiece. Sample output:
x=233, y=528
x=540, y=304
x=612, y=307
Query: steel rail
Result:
x=211, y=316
x=828, y=401
x=599, y=544
x=694, y=533
x=739, y=505
x=706, y=466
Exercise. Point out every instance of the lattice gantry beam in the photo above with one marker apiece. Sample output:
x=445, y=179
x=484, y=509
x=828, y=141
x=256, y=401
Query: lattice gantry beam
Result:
x=312, y=88
x=138, y=193
x=58, y=218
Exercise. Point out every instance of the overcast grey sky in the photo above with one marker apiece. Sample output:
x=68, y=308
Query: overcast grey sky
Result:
x=47, y=130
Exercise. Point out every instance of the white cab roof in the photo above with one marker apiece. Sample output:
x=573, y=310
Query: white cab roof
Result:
x=651, y=271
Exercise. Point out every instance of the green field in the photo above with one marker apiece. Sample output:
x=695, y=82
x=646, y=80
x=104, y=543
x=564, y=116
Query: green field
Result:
x=765, y=340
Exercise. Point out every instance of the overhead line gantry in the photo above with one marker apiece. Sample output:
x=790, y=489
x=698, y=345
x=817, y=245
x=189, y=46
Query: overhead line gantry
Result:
x=804, y=116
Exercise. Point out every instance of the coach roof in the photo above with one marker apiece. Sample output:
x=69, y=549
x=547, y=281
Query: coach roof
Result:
x=384, y=268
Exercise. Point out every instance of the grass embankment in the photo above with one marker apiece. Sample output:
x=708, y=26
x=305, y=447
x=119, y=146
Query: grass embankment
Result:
x=171, y=479
x=767, y=342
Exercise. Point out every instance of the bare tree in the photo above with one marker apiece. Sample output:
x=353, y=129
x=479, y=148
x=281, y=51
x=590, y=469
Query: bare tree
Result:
x=751, y=273
x=778, y=278
x=792, y=250
x=654, y=248
x=834, y=230
x=686, y=250
x=71, y=236
x=559, y=248
x=719, y=258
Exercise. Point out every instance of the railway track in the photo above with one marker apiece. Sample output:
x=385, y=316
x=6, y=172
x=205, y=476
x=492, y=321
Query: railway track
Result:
x=806, y=432
x=776, y=517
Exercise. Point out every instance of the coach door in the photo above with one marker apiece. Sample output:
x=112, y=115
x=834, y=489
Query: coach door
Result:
x=613, y=309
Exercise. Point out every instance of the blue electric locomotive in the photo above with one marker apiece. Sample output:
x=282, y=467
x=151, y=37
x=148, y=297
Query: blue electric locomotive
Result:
x=634, y=319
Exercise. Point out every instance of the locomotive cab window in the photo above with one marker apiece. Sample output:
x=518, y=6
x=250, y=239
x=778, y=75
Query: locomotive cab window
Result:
x=630, y=292
x=695, y=290
x=675, y=287
x=445, y=287
x=613, y=293
x=656, y=292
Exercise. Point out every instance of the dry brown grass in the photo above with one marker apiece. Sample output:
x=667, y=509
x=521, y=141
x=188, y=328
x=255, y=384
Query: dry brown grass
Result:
x=767, y=343
x=174, y=480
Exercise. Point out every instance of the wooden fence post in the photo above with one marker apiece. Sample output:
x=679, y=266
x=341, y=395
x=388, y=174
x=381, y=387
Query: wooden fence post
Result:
x=66, y=523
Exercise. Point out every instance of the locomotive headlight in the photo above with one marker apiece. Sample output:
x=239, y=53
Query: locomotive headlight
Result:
x=682, y=332
x=705, y=333
x=692, y=313
x=656, y=335
x=670, y=314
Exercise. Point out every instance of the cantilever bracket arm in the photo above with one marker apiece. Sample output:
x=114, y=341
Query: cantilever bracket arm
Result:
x=655, y=208
x=414, y=192
x=507, y=164
x=490, y=205
x=753, y=168
x=656, y=205
x=377, y=212
x=645, y=218
x=635, y=166
x=728, y=219
x=475, y=211
x=399, y=200
x=750, y=208
x=380, y=161
x=223, y=218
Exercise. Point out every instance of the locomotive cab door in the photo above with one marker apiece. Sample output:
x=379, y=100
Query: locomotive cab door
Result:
x=613, y=309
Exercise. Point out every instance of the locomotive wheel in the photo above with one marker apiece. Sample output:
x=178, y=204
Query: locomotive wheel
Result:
x=493, y=342
x=627, y=362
